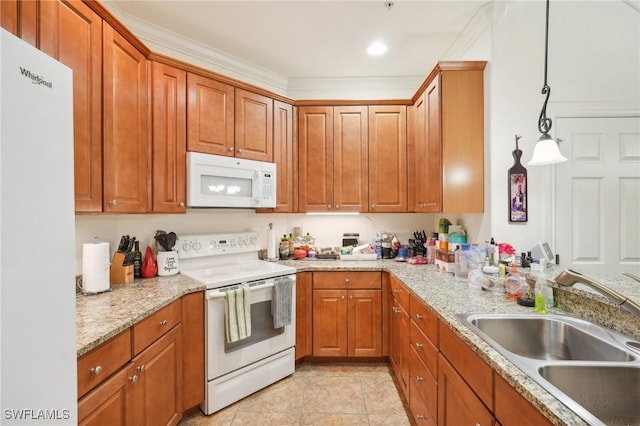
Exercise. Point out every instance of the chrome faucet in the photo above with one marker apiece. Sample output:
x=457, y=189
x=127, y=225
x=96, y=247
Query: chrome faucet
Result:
x=569, y=277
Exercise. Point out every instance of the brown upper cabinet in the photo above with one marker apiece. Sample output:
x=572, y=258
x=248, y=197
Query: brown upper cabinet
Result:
x=388, y=158
x=253, y=126
x=127, y=148
x=209, y=116
x=284, y=157
x=72, y=33
x=169, y=97
x=333, y=158
x=446, y=147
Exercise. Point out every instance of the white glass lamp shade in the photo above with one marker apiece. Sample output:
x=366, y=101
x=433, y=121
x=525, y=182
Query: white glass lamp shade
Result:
x=546, y=152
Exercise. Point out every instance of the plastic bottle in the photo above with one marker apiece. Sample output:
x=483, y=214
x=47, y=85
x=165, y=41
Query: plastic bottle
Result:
x=540, y=305
x=547, y=289
x=513, y=285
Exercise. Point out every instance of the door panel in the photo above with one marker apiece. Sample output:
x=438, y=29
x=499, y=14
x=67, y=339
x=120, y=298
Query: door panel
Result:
x=597, y=200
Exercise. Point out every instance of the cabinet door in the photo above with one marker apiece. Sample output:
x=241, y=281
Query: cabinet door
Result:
x=457, y=404
x=462, y=119
x=424, y=159
x=253, y=126
x=315, y=154
x=107, y=404
x=127, y=148
x=304, y=318
x=330, y=322
x=387, y=158
x=169, y=139
x=9, y=16
x=399, y=342
x=364, y=323
x=193, y=350
x=284, y=157
x=156, y=397
x=72, y=33
x=350, y=158
x=209, y=116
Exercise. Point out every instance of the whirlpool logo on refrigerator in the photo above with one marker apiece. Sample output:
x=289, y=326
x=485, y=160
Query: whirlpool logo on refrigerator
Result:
x=35, y=78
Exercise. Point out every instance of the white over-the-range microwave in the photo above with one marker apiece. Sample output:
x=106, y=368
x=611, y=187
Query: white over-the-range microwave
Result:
x=229, y=182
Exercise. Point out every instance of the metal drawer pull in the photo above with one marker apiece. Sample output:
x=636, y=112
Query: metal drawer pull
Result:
x=163, y=323
x=396, y=310
x=141, y=368
x=96, y=370
x=419, y=345
x=419, y=379
x=133, y=378
x=418, y=316
x=347, y=280
x=419, y=417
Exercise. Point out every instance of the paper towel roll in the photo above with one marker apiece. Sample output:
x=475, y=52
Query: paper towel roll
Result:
x=271, y=245
x=95, y=267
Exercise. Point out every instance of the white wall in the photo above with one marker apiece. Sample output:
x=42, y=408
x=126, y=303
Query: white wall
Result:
x=594, y=63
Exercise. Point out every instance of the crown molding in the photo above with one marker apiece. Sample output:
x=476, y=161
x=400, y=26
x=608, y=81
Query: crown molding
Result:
x=479, y=23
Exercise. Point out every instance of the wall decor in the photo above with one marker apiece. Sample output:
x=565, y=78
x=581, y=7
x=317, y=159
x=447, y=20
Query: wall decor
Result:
x=517, y=188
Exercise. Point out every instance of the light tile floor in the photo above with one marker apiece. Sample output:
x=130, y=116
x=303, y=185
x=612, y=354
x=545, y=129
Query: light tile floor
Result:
x=345, y=394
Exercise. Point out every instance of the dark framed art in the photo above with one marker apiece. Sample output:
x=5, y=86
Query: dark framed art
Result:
x=517, y=181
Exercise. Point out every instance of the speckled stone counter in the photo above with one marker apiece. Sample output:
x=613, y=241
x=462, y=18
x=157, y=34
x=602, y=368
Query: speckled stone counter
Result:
x=101, y=316
x=448, y=297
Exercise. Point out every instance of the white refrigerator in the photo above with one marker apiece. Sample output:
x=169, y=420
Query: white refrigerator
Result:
x=38, y=383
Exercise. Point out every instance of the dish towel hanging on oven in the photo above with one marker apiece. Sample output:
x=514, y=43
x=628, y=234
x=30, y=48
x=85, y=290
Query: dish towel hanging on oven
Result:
x=281, y=301
x=237, y=314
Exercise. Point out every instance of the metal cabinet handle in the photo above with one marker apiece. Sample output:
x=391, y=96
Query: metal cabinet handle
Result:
x=133, y=378
x=141, y=368
x=96, y=370
x=113, y=202
x=230, y=148
x=337, y=206
x=373, y=206
x=163, y=323
x=419, y=379
x=347, y=280
x=419, y=345
x=181, y=204
x=419, y=417
x=239, y=149
x=396, y=310
x=418, y=316
x=351, y=297
x=328, y=206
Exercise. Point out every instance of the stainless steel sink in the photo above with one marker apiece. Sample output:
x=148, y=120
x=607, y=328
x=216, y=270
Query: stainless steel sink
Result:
x=593, y=370
x=609, y=392
x=550, y=338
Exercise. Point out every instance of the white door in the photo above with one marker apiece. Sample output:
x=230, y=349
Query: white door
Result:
x=597, y=199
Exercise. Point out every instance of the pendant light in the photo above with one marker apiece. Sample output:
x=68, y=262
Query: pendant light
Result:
x=546, y=150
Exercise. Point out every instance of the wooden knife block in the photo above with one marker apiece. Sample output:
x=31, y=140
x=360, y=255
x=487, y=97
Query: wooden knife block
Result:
x=120, y=274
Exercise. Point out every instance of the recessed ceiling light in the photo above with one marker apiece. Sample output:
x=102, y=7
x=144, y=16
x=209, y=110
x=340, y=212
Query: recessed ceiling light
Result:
x=376, y=48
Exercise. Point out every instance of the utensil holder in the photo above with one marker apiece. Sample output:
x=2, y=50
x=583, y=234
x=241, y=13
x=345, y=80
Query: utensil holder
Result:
x=167, y=262
x=119, y=273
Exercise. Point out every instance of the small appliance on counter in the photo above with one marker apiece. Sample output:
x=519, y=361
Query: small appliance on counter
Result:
x=542, y=251
x=95, y=267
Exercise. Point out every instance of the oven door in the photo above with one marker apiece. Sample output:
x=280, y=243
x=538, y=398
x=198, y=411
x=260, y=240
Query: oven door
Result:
x=265, y=340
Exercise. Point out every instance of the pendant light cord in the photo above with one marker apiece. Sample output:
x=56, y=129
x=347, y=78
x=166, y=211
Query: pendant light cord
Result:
x=544, y=123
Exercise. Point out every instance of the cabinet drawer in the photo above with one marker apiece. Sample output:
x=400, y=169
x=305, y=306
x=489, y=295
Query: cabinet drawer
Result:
x=513, y=408
x=347, y=280
x=423, y=390
x=469, y=365
x=151, y=328
x=399, y=292
x=103, y=361
x=424, y=318
x=427, y=352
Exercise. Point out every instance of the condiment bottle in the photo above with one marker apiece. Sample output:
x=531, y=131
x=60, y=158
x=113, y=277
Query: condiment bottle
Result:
x=137, y=260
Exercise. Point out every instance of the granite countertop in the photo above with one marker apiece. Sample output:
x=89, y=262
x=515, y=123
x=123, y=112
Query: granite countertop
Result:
x=100, y=317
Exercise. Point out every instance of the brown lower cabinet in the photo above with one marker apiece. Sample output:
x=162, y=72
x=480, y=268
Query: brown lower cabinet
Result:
x=444, y=381
x=159, y=370
x=347, y=314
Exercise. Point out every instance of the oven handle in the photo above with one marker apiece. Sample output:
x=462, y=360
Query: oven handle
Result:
x=216, y=294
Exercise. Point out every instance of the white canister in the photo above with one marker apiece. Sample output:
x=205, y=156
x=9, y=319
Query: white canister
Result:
x=167, y=263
